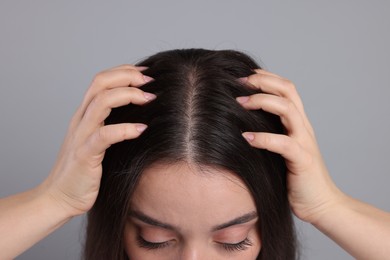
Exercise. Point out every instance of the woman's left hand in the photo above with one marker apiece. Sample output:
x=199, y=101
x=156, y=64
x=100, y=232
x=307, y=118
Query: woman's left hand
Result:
x=310, y=188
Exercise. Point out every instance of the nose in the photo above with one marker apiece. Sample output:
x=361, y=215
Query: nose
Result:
x=190, y=253
x=195, y=252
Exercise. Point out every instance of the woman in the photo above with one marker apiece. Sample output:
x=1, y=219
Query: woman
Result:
x=193, y=170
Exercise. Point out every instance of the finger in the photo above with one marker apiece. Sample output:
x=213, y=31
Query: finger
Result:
x=129, y=66
x=108, y=135
x=101, y=106
x=115, y=78
x=278, y=143
x=280, y=87
x=263, y=71
x=111, y=79
x=284, y=108
x=277, y=86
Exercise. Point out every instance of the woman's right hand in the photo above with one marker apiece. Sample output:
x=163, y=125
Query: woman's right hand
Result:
x=75, y=179
x=361, y=229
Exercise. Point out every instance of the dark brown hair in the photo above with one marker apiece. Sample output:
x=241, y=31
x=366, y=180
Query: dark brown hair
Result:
x=196, y=119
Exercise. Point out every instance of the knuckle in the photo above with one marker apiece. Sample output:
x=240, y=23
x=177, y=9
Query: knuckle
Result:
x=134, y=91
x=101, y=99
x=286, y=145
x=287, y=108
x=103, y=134
x=123, y=131
x=136, y=94
x=114, y=133
x=290, y=107
x=257, y=76
x=133, y=72
x=289, y=85
x=255, y=79
x=98, y=78
x=135, y=77
x=266, y=140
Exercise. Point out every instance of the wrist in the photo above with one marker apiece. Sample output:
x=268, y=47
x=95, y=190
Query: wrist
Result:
x=50, y=204
x=26, y=218
x=330, y=210
x=326, y=202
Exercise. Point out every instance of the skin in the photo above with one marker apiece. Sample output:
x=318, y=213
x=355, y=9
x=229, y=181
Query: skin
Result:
x=359, y=228
x=72, y=186
x=201, y=202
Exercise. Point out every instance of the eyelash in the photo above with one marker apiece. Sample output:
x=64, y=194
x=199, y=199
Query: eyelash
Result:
x=244, y=244
x=149, y=245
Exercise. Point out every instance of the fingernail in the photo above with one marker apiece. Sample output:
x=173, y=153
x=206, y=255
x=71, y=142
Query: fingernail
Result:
x=141, y=127
x=242, y=100
x=243, y=79
x=147, y=78
x=149, y=96
x=248, y=136
x=141, y=68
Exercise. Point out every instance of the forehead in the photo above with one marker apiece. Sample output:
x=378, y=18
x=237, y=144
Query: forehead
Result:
x=183, y=194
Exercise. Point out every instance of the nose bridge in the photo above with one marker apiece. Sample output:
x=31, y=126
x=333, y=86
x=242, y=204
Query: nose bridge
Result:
x=191, y=252
x=194, y=251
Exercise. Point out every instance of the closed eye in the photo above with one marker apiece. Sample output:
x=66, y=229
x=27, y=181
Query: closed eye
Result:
x=151, y=245
x=244, y=244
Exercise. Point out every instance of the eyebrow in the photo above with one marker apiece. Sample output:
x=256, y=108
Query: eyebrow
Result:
x=149, y=220
x=237, y=221
x=154, y=222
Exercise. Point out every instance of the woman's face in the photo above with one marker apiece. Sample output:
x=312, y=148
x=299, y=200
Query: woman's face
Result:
x=179, y=212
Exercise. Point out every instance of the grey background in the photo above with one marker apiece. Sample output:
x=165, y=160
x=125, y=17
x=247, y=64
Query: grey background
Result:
x=336, y=52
